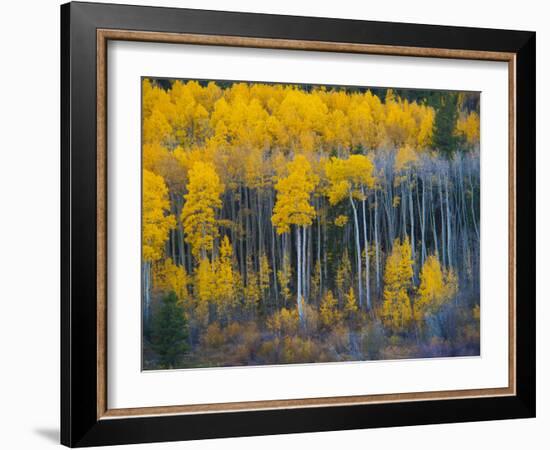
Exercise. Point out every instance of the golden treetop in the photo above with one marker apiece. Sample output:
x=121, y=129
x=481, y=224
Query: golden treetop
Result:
x=294, y=191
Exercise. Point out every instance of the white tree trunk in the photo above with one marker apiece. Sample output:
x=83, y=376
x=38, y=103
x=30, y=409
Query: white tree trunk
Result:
x=274, y=258
x=358, y=252
x=411, y=216
x=443, y=235
x=304, y=264
x=299, y=274
x=376, y=242
x=449, y=237
x=319, y=256
x=147, y=291
x=423, y=221
x=367, y=264
x=367, y=268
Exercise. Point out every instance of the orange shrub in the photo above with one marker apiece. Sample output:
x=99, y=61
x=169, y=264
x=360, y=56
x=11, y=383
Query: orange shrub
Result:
x=284, y=322
x=338, y=339
x=298, y=350
x=233, y=331
x=214, y=337
x=269, y=351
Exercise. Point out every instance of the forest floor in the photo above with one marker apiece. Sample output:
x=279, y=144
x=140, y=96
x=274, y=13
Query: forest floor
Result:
x=245, y=345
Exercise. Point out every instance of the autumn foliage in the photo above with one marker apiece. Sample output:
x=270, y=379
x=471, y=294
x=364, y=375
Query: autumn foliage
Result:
x=299, y=223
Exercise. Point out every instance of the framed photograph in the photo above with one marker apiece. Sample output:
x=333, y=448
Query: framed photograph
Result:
x=276, y=224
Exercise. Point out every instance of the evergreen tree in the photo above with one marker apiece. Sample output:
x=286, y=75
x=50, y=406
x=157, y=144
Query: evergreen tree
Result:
x=169, y=332
x=444, y=138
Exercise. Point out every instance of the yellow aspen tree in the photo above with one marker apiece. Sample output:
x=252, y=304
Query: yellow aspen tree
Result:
x=243, y=121
x=396, y=308
x=348, y=179
x=169, y=277
x=293, y=207
x=198, y=214
x=300, y=119
x=158, y=112
x=328, y=311
x=155, y=215
x=468, y=126
x=316, y=281
x=252, y=292
x=437, y=287
x=156, y=224
x=190, y=121
x=148, y=95
x=157, y=127
x=264, y=274
x=350, y=304
x=225, y=289
x=407, y=123
x=336, y=134
x=153, y=155
x=283, y=277
x=341, y=220
x=366, y=116
x=405, y=158
x=343, y=276
x=395, y=122
x=205, y=290
x=425, y=127
x=284, y=322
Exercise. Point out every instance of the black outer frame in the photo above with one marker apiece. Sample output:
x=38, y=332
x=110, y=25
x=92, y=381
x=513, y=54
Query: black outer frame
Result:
x=79, y=423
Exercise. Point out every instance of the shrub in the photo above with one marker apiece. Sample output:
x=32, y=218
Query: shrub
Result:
x=373, y=339
x=250, y=335
x=284, y=322
x=233, y=331
x=269, y=351
x=338, y=340
x=311, y=319
x=214, y=337
x=244, y=343
x=298, y=350
x=398, y=348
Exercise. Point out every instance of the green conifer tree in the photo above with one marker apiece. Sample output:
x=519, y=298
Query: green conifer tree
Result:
x=444, y=138
x=169, y=331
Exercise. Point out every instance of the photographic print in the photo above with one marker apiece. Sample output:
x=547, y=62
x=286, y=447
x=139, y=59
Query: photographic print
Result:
x=299, y=223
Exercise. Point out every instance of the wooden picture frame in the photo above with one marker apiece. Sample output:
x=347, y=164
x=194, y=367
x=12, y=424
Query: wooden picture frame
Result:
x=86, y=418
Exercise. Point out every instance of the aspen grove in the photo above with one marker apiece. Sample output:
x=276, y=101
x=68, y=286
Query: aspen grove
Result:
x=301, y=223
